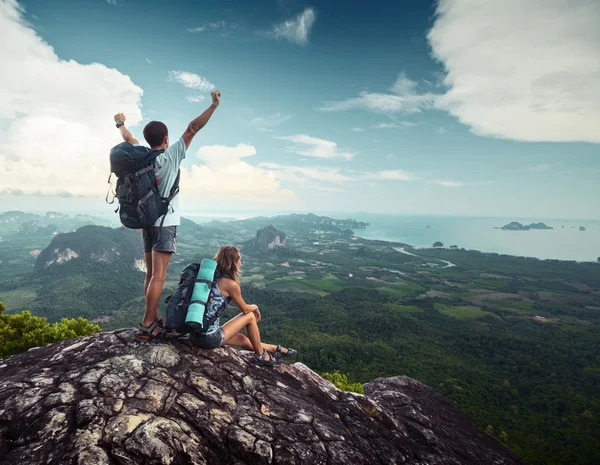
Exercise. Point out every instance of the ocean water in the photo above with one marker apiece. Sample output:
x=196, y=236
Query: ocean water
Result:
x=562, y=243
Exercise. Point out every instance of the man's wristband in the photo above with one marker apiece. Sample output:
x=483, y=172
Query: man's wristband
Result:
x=120, y=123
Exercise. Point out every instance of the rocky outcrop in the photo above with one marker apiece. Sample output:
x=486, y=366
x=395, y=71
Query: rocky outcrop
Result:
x=266, y=239
x=90, y=245
x=107, y=399
x=516, y=226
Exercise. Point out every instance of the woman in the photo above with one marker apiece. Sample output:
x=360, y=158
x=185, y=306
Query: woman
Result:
x=226, y=289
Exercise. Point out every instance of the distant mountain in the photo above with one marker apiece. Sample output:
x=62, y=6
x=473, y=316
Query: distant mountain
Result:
x=35, y=228
x=266, y=239
x=516, y=226
x=297, y=222
x=92, y=244
x=45, y=225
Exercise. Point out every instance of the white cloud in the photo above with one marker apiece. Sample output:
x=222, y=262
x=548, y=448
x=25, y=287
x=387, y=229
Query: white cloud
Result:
x=448, y=183
x=195, y=98
x=314, y=147
x=300, y=174
x=148, y=61
x=521, y=70
x=222, y=26
x=357, y=129
x=391, y=175
x=112, y=2
x=56, y=132
x=225, y=175
x=404, y=98
x=296, y=30
x=402, y=124
x=191, y=80
x=265, y=124
x=441, y=130
x=537, y=168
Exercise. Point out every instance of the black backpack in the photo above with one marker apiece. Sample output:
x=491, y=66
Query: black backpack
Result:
x=179, y=301
x=140, y=204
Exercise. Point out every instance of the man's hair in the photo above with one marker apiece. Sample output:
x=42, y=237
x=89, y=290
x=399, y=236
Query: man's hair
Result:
x=155, y=133
x=227, y=258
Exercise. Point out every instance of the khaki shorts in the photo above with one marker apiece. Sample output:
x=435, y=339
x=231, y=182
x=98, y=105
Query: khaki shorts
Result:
x=160, y=239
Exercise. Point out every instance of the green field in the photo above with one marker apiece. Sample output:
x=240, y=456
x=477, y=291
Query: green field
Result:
x=462, y=312
x=404, y=308
x=512, y=306
x=19, y=299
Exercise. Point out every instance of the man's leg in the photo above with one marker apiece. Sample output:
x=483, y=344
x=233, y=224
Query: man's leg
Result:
x=160, y=261
x=148, y=260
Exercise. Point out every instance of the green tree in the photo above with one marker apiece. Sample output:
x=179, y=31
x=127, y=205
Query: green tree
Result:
x=340, y=380
x=22, y=331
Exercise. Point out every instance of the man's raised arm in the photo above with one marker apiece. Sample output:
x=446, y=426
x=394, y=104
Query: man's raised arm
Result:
x=125, y=134
x=201, y=120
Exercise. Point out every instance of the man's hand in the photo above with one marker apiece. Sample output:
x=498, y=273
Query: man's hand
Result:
x=119, y=117
x=216, y=98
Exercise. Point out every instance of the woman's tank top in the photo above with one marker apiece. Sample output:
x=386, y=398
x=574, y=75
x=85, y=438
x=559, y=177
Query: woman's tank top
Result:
x=217, y=304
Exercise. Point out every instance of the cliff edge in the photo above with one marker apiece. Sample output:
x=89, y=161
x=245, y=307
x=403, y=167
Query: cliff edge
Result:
x=108, y=399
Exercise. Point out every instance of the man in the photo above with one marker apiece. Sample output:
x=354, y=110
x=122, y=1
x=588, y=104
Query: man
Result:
x=160, y=242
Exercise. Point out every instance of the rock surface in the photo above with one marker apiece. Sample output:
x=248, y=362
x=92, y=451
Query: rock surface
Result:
x=107, y=399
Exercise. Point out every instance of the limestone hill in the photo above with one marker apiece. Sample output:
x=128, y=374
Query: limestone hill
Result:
x=107, y=399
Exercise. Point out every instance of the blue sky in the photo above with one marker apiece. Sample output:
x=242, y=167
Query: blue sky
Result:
x=396, y=107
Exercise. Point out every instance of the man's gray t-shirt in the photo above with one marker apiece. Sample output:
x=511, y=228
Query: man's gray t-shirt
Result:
x=167, y=167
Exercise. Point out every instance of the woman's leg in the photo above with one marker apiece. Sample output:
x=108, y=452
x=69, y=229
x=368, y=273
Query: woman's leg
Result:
x=239, y=340
x=232, y=336
x=248, y=321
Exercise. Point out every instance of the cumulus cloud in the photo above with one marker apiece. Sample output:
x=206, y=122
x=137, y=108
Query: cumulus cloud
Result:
x=191, y=80
x=295, y=30
x=521, y=70
x=314, y=147
x=403, y=98
x=224, y=174
x=57, y=131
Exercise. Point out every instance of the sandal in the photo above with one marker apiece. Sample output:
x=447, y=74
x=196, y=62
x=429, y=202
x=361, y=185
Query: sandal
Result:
x=290, y=352
x=146, y=333
x=261, y=359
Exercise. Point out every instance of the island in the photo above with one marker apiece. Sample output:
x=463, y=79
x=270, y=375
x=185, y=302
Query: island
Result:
x=581, y=228
x=516, y=226
x=438, y=244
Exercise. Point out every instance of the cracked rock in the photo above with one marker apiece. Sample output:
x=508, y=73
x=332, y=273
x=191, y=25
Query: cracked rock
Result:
x=108, y=399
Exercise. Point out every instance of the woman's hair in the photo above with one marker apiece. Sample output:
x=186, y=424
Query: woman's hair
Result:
x=227, y=261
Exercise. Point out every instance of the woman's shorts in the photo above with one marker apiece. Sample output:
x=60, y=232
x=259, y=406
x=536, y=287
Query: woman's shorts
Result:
x=208, y=341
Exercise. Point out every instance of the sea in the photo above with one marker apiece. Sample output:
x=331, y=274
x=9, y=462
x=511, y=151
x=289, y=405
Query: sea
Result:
x=564, y=242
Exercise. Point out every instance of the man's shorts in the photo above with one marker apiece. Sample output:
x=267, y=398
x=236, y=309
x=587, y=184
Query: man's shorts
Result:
x=160, y=239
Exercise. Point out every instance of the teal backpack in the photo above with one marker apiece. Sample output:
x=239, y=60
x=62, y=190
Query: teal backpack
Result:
x=186, y=307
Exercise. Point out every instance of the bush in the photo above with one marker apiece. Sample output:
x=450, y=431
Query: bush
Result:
x=22, y=331
x=340, y=380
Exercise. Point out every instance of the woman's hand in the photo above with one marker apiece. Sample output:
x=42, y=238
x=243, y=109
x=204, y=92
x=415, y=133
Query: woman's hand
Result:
x=257, y=314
